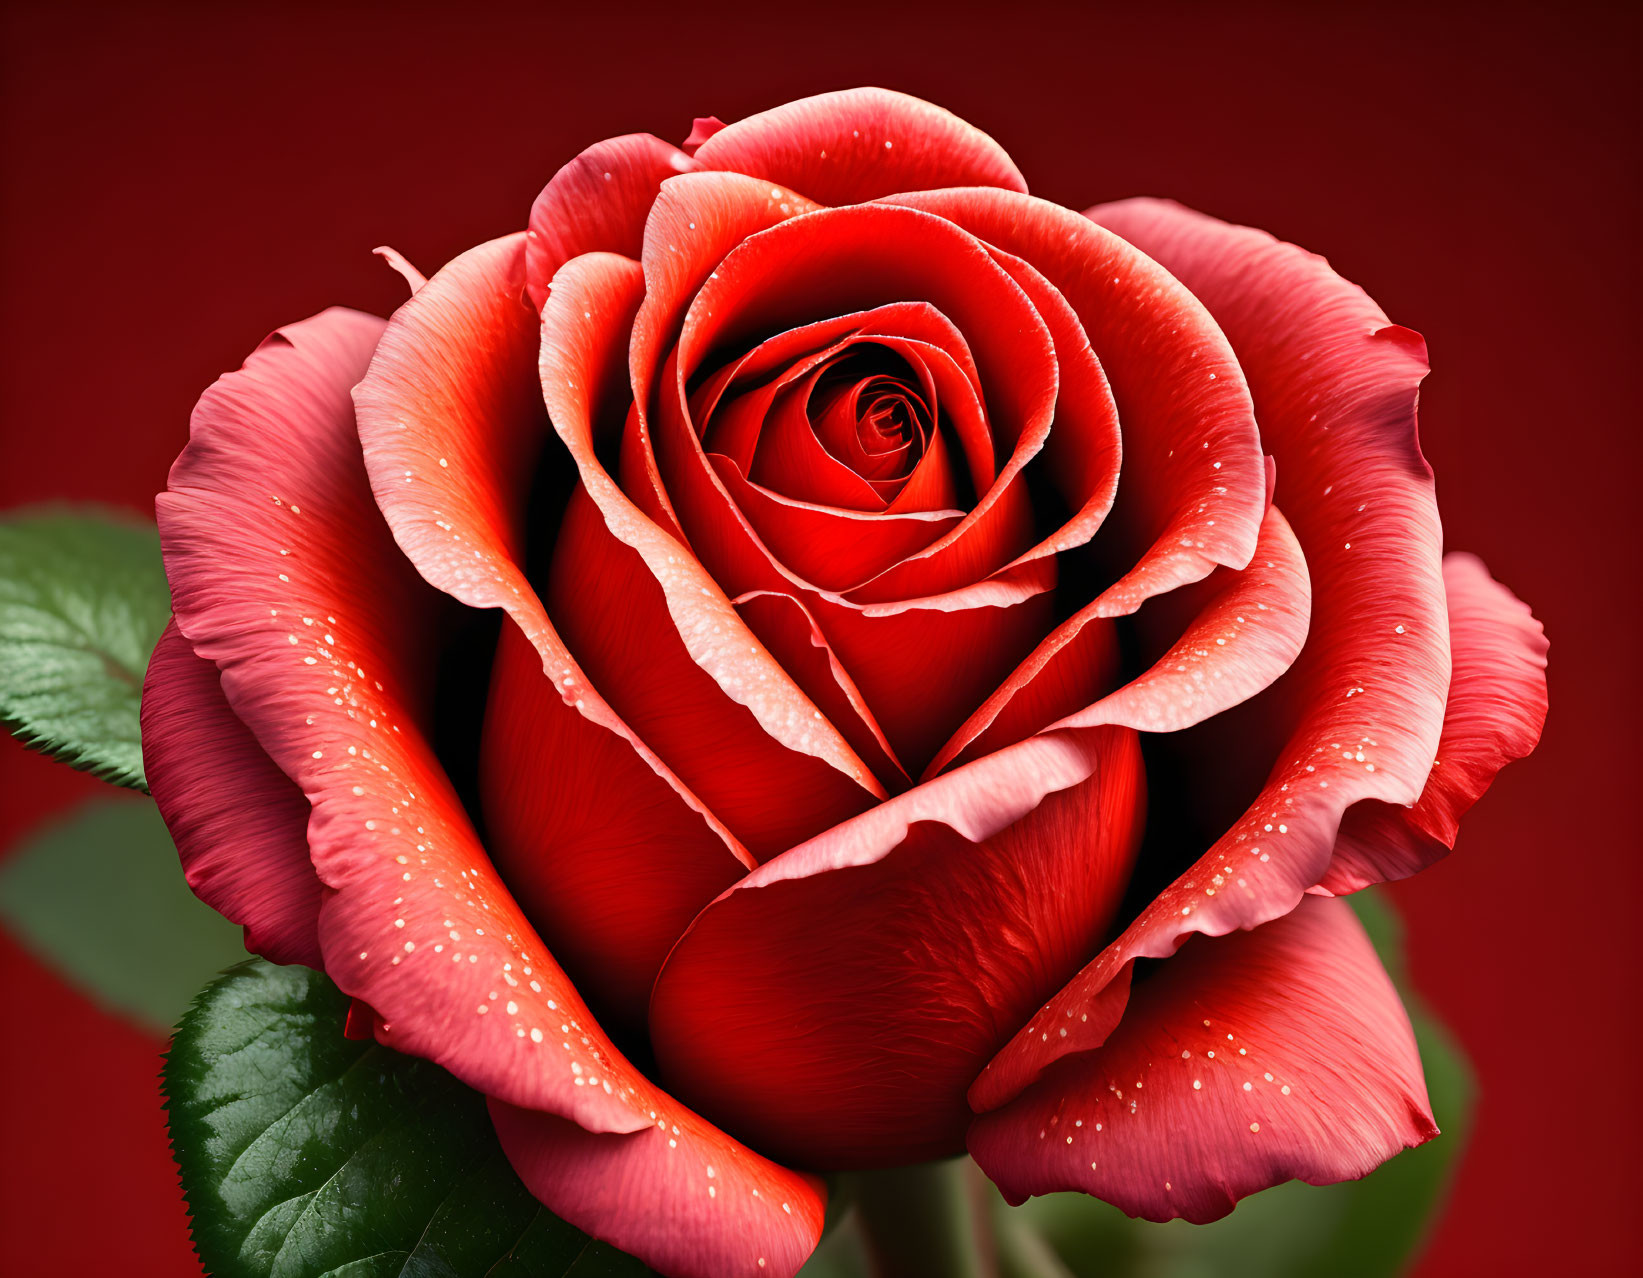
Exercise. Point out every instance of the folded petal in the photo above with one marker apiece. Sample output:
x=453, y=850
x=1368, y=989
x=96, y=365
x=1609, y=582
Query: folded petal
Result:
x=1495, y=711
x=1362, y=707
x=680, y=1195
x=785, y=626
x=1244, y=636
x=1244, y=1061
x=597, y=204
x=239, y=823
x=858, y=144
x=453, y=427
x=1193, y=489
x=834, y=1005
x=638, y=607
x=284, y=574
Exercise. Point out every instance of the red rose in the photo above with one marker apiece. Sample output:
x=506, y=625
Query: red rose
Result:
x=899, y=572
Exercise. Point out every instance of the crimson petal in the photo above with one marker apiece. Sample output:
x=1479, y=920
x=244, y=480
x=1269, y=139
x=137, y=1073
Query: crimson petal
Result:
x=1194, y=483
x=452, y=422
x=681, y=1195
x=834, y=1005
x=597, y=204
x=1338, y=387
x=1245, y=635
x=417, y=926
x=693, y=666
x=239, y=823
x=1496, y=708
x=284, y=574
x=1245, y=1061
x=857, y=144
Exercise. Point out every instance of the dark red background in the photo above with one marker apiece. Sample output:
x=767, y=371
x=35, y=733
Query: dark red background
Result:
x=179, y=181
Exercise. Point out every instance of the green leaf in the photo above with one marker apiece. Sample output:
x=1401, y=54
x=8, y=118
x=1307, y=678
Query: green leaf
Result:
x=100, y=896
x=1369, y=1228
x=83, y=600
x=308, y=1155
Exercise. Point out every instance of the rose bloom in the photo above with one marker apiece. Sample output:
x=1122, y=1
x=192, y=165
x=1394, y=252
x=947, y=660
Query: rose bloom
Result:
x=955, y=650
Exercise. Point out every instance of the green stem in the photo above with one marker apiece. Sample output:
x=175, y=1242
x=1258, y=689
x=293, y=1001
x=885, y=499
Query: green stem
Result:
x=927, y=1221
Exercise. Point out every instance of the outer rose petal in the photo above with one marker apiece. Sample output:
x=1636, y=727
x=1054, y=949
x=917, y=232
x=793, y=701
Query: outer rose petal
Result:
x=1496, y=707
x=1337, y=387
x=597, y=204
x=858, y=144
x=418, y=926
x=239, y=823
x=835, y=1004
x=283, y=573
x=451, y=420
x=681, y=1195
x=1246, y=1060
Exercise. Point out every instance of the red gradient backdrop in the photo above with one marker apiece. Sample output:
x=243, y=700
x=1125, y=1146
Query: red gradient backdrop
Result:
x=178, y=181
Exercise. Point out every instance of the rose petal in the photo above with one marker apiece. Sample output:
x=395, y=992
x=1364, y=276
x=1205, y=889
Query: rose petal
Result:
x=452, y=423
x=1338, y=388
x=418, y=926
x=1244, y=1061
x=966, y=640
x=322, y=651
x=841, y=261
x=680, y=1195
x=1194, y=485
x=638, y=605
x=1244, y=636
x=834, y=1005
x=614, y=884
x=597, y=204
x=239, y=823
x=1496, y=708
x=785, y=626
x=1079, y=460
x=857, y=144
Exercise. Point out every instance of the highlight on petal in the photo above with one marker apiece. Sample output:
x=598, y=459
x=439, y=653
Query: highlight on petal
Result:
x=1193, y=489
x=1495, y=711
x=679, y=1194
x=1244, y=1061
x=710, y=699
x=597, y=204
x=1363, y=705
x=319, y=656
x=859, y=144
x=284, y=574
x=452, y=425
x=401, y=265
x=833, y=1006
x=239, y=823
x=1244, y=636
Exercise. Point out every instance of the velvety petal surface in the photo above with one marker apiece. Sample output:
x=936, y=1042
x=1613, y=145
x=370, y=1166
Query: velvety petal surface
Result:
x=833, y=1007
x=1193, y=489
x=1245, y=635
x=965, y=640
x=858, y=144
x=1363, y=706
x=705, y=693
x=597, y=204
x=679, y=1194
x=417, y=925
x=452, y=425
x=239, y=823
x=284, y=574
x=1244, y=1061
x=1495, y=711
